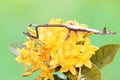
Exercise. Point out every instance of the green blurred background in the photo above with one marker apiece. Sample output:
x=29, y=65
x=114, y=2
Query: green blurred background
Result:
x=15, y=15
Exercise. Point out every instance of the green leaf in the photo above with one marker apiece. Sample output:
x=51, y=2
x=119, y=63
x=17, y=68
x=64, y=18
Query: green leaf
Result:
x=91, y=74
x=87, y=74
x=70, y=76
x=59, y=77
x=105, y=55
x=13, y=48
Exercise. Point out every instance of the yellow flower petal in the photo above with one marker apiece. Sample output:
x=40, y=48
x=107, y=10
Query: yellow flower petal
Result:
x=55, y=49
x=88, y=64
x=27, y=73
x=72, y=70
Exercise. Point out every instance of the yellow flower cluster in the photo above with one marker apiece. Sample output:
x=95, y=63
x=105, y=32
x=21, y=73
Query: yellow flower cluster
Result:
x=55, y=49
